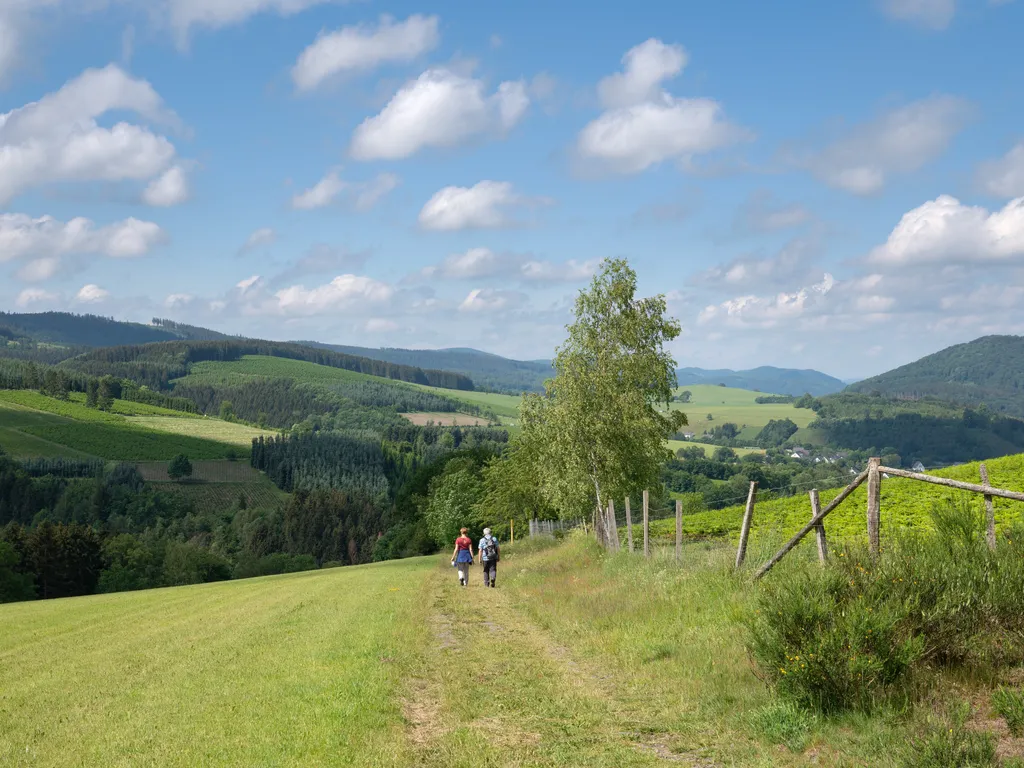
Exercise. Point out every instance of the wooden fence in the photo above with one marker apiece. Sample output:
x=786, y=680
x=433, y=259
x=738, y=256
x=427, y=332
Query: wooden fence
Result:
x=606, y=525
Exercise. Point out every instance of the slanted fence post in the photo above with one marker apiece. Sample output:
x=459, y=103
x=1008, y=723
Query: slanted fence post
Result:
x=629, y=526
x=874, y=503
x=613, y=527
x=679, y=530
x=990, y=513
x=819, y=529
x=647, y=525
x=748, y=519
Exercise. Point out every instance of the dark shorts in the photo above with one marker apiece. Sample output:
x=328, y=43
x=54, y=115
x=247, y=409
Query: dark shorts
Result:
x=490, y=569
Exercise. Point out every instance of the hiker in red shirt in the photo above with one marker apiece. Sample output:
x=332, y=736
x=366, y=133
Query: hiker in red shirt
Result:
x=462, y=556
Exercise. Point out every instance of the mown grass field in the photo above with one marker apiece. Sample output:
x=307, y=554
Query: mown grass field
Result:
x=577, y=659
x=675, y=445
x=206, y=428
x=33, y=425
x=736, y=406
x=446, y=419
x=905, y=504
x=504, y=406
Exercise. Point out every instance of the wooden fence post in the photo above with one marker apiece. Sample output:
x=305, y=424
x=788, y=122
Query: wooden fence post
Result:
x=679, y=530
x=629, y=526
x=990, y=514
x=647, y=525
x=819, y=529
x=874, y=503
x=748, y=518
x=613, y=527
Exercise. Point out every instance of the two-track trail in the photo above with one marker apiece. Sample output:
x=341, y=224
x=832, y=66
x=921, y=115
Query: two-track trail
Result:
x=492, y=688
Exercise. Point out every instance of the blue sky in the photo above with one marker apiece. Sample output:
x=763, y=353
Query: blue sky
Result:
x=836, y=186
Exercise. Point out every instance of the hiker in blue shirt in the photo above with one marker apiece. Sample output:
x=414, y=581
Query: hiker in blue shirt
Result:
x=490, y=554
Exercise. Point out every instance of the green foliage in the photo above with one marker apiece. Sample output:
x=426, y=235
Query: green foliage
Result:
x=270, y=565
x=595, y=434
x=782, y=722
x=453, y=498
x=775, y=433
x=988, y=370
x=852, y=634
x=946, y=742
x=1009, y=704
x=14, y=585
x=179, y=467
x=188, y=563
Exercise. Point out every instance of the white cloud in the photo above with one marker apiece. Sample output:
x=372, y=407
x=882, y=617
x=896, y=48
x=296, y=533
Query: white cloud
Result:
x=169, y=189
x=91, y=294
x=363, y=47
x=485, y=205
x=214, y=14
x=747, y=272
x=489, y=300
x=768, y=311
x=372, y=192
x=343, y=293
x=38, y=270
x=900, y=141
x=177, y=300
x=245, y=285
x=571, y=271
x=644, y=68
x=480, y=263
x=439, y=109
x=58, y=139
x=260, y=238
x=474, y=263
x=320, y=194
x=644, y=125
x=363, y=195
x=946, y=231
x=1004, y=177
x=22, y=236
x=380, y=325
x=930, y=14
x=34, y=296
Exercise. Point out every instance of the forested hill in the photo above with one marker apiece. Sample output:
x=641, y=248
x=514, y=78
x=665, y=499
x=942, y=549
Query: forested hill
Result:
x=489, y=372
x=156, y=365
x=778, y=381
x=988, y=371
x=67, y=329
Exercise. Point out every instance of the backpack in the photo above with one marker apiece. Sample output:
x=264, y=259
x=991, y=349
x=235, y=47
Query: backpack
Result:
x=491, y=549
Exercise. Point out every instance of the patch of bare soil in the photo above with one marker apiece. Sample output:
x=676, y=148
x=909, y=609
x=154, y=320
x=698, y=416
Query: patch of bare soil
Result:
x=986, y=720
x=422, y=711
x=658, y=745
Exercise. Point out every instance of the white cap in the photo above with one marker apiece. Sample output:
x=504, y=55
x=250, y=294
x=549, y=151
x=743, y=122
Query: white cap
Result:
x=487, y=531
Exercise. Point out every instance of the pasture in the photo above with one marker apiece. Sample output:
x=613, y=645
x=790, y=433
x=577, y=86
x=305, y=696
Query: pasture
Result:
x=205, y=428
x=736, y=406
x=274, y=367
x=33, y=425
x=445, y=419
x=505, y=406
x=675, y=445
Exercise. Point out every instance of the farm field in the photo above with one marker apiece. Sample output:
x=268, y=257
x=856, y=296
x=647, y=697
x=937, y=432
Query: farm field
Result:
x=218, y=484
x=905, y=505
x=130, y=408
x=505, y=406
x=445, y=419
x=275, y=367
x=35, y=425
x=736, y=406
x=594, y=660
x=675, y=445
x=206, y=428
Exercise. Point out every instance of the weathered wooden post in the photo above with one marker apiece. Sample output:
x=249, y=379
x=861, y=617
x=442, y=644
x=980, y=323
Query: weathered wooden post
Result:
x=874, y=503
x=629, y=526
x=679, y=530
x=748, y=518
x=819, y=529
x=647, y=525
x=613, y=527
x=990, y=514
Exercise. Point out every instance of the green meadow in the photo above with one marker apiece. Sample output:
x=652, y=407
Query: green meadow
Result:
x=736, y=406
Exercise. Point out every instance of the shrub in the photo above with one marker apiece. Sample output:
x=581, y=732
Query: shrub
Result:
x=179, y=467
x=947, y=743
x=270, y=565
x=853, y=633
x=1009, y=703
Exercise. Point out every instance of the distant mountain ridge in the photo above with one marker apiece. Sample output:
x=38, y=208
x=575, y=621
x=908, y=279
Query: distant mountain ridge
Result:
x=768, y=379
x=988, y=371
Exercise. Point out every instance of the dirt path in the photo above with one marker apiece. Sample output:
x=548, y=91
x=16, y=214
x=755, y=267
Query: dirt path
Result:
x=494, y=689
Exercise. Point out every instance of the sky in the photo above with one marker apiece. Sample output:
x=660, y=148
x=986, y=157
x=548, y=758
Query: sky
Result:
x=837, y=186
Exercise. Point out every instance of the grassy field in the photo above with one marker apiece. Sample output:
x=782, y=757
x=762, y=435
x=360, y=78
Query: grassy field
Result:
x=206, y=428
x=446, y=419
x=675, y=445
x=34, y=425
x=505, y=406
x=275, y=367
x=905, y=504
x=218, y=484
x=577, y=659
x=736, y=406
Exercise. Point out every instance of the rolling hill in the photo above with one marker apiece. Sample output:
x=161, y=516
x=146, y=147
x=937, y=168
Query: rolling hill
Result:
x=778, y=381
x=987, y=371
